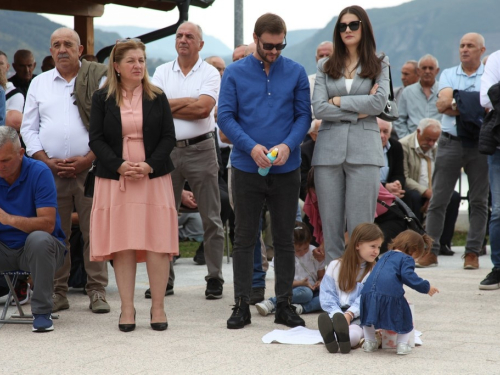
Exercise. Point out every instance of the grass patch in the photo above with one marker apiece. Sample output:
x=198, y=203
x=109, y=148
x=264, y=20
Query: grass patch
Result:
x=187, y=249
x=459, y=239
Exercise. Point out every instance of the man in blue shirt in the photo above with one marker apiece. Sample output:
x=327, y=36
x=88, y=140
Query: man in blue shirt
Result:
x=265, y=104
x=456, y=152
x=31, y=238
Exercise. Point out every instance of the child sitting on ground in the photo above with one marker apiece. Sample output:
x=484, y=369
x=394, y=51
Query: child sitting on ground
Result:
x=308, y=275
x=383, y=304
x=341, y=289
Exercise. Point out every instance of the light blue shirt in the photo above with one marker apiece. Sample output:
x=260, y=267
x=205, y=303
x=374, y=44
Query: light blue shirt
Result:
x=384, y=171
x=413, y=106
x=2, y=106
x=456, y=79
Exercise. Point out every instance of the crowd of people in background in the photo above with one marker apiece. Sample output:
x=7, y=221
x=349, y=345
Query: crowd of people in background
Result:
x=187, y=152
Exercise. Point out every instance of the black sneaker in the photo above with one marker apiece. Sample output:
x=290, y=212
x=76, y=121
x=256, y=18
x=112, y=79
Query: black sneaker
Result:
x=199, y=257
x=241, y=315
x=492, y=280
x=445, y=250
x=257, y=295
x=214, y=289
x=285, y=314
x=168, y=292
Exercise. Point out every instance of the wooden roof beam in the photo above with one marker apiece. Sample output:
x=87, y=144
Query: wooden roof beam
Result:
x=63, y=7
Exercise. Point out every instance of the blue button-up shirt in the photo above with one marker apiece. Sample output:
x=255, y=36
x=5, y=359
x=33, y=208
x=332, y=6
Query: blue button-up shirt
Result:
x=457, y=79
x=256, y=108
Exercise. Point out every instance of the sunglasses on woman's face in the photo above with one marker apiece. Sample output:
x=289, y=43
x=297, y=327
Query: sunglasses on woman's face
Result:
x=353, y=26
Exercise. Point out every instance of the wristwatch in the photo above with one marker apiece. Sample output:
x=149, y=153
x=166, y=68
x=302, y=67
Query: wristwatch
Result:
x=454, y=104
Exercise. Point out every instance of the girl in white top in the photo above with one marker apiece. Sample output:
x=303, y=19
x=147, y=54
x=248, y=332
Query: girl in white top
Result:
x=341, y=287
x=308, y=275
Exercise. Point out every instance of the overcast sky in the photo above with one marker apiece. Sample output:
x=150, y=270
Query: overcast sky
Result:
x=218, y=20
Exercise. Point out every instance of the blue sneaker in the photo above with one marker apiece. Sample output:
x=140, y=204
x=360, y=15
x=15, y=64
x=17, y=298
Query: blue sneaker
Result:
x=42, y=322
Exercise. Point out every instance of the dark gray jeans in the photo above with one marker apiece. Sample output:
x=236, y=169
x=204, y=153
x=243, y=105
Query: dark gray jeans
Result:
x=281, y=193
x=42, y=254
x=451, y=157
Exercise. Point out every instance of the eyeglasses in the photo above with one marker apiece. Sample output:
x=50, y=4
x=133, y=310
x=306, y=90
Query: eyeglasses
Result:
x=125, y=40
x=270, y=46
x=353, y=26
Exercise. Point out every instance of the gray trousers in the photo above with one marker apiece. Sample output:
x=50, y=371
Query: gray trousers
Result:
x=347, y=193
x=70, y=195
x=42, y=254
x=450, y=159
x=198, y=165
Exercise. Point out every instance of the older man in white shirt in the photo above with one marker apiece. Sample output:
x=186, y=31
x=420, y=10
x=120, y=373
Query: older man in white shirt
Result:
x=55, y=134
x=192, y=88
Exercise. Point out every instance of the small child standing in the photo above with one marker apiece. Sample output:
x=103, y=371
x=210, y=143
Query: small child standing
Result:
x=308, y=275
x=341, y=287
x=383, y=304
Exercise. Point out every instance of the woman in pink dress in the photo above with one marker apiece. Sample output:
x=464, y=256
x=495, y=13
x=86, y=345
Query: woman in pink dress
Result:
x=133, y=216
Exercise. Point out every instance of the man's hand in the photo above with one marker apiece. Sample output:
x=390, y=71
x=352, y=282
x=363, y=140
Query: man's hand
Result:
x=259, y=155
x=70, y=167
x=283, y=154
x=395, y=188
x=55, y=166
x=187, y=199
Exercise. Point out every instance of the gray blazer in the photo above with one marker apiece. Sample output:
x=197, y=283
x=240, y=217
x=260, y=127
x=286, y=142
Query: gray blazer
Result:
x=343, y=137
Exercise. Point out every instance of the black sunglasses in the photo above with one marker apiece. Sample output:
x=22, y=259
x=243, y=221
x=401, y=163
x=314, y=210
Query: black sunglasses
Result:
x=353, y=26
x=270, y=46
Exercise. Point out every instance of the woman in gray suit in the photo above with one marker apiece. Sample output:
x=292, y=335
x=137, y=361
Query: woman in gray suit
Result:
x=351, y=89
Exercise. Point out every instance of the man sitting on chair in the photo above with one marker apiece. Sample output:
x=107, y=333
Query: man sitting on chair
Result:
x=31, y=238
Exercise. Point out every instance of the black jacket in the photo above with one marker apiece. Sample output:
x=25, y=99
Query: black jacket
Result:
x=395, y=156
x=489, y=137
x=106, y=141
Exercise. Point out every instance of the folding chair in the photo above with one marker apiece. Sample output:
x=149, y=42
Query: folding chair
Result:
x=20, y=317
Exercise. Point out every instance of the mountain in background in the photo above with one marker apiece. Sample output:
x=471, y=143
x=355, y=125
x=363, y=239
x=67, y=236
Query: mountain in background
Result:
x=411, y=30
x=404, y=32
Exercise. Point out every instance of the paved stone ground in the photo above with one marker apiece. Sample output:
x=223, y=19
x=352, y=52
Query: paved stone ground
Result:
x=460, y=326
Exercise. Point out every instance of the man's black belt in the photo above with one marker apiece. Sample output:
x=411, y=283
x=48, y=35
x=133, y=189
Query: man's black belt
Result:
x=195, y=140
x=449, y=136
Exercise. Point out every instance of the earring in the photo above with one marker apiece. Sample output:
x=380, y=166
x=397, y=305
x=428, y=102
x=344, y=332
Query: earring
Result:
x=118, y=74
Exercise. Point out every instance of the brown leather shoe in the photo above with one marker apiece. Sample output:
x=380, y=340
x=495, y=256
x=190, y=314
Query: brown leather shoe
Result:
x=427, y=260
x=471, y=261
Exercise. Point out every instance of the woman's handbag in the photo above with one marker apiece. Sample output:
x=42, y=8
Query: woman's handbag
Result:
x=390, y=112
x=88, y=185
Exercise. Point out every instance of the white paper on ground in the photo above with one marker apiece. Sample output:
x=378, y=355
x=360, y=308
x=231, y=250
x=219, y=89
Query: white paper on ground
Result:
x=297, y=335
x=305, y=336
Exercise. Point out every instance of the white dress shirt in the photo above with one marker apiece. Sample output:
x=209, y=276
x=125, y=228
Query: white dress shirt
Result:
x=490, y=77
x=16, y=101
x=51, y=121
x=203, y=79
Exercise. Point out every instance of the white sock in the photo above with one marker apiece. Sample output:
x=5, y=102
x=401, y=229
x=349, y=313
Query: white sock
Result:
x=369, y=332
x=355, y=334
x=403, y=338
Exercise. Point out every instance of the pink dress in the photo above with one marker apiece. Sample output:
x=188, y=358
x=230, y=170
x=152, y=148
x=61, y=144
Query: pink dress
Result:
x=133, y=214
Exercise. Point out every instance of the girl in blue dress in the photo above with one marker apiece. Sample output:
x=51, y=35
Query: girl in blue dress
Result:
x=383, y=305
x=341, y=288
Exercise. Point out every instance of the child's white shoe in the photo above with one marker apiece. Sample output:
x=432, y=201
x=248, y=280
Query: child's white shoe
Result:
x=298, y=308
x=403, y=348
x=370, y=346
x=265, y=307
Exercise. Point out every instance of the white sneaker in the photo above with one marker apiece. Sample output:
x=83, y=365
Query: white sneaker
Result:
x=403, y=348
x=265, y=307
x=370, y=346
x=298, y=308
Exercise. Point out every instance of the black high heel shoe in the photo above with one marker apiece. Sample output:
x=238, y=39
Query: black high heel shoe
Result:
x=126, y=327
x=158, y=326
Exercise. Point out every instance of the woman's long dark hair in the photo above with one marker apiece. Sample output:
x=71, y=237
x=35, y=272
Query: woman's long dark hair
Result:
x=370, y=63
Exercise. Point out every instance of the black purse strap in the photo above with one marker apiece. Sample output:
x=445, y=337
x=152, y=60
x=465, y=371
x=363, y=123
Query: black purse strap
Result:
x=391, y=96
